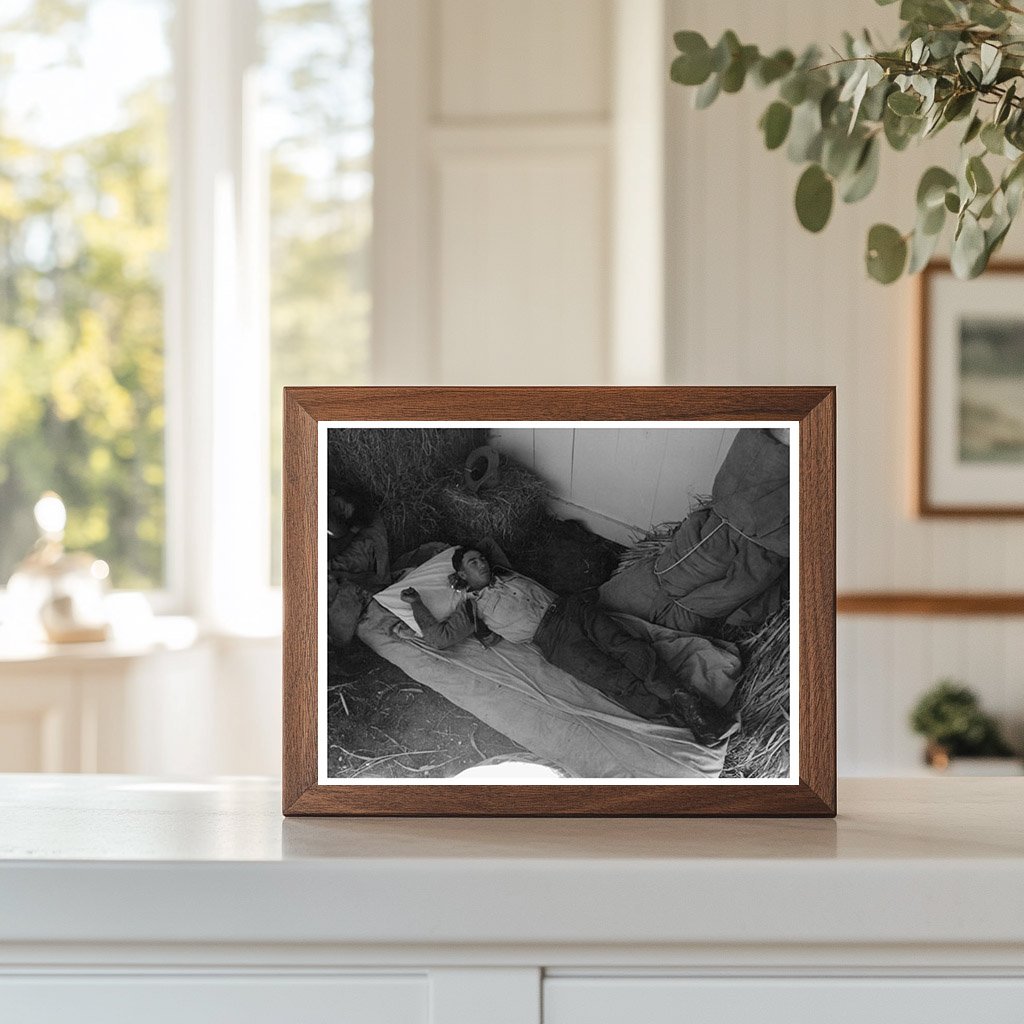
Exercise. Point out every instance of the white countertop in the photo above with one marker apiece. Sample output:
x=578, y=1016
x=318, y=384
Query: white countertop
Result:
x=121, y=859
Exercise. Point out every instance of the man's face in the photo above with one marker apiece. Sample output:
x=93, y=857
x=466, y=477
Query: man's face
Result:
x=475, y=569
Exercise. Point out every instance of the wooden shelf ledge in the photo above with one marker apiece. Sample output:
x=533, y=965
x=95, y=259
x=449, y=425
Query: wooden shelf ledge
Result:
x=928, y=603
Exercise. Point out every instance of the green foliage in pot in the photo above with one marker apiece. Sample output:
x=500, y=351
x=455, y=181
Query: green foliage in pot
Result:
x=957, y=61
x=950, y=717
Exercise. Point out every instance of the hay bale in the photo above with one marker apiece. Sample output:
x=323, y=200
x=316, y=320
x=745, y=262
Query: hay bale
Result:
x=510, y=511
x=401, y=468
x=761, y=748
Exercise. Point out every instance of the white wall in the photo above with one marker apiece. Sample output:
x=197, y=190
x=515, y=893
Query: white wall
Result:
x=510, y=138
x=620, y=481
x=754, y=299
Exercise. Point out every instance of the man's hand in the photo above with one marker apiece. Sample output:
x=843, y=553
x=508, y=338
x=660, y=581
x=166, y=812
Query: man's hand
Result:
x=409, y=595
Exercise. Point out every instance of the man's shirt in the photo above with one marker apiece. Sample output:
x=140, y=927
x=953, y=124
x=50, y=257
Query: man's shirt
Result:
x=510, y=605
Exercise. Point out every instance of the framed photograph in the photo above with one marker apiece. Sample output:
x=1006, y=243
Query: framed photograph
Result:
x=559, y=601
x=970, y=450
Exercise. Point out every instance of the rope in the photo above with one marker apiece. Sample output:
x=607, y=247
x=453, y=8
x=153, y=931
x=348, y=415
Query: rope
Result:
x=683, y=557
x=686, y=554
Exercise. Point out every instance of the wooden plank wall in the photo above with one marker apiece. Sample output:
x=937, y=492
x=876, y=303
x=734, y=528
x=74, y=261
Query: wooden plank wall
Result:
x=754, y=299
x=619, y=480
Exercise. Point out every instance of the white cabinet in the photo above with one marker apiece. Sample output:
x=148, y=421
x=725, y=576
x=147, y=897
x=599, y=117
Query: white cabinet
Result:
x=202, y=999
x=824, y=1000
x=132, y=898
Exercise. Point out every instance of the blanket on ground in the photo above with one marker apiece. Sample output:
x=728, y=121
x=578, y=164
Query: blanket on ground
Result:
x=512, y=688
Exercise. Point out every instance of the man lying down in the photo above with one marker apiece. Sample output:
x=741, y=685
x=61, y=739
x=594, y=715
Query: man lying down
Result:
x=571, y=632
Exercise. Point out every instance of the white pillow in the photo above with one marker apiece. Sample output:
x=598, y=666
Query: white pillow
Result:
x=431, y=579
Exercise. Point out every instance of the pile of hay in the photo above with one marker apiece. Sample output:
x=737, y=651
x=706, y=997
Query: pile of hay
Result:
x=761, y=748
x=401, y=468
x=415, y=475
x=648, y=546
x=510, y=511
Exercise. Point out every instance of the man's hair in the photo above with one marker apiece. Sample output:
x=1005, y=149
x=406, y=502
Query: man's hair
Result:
x=460, y=553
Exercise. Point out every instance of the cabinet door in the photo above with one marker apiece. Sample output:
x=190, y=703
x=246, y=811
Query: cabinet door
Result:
x=783, y=1000
x=205, y=999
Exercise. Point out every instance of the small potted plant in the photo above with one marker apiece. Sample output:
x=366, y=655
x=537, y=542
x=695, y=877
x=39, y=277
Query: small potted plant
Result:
x=950, y=717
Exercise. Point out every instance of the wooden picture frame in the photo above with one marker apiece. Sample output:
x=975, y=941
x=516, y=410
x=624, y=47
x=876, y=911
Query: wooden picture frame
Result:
x=969, y=449
x=805, y=414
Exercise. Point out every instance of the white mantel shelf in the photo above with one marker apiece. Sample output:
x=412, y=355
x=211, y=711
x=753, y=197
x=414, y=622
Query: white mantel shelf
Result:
x=125, y=899
x=917, y=862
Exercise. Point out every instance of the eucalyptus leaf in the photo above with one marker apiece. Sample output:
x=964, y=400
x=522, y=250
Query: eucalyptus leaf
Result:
x=978, y=176
x=900, y=130
x=934, y=121
x=930, y=12
x=922, y=248
x=794, y=88
x=886, y=253
x=1013, y=187
x=828, y=104
x=688, y=71
x=805, y=133
x=966, y=187
x=771, y=69
x=735, y=74
x=1005, y=104
x=903, y=103
x=725, y=50
x=952, y=202
x=932, y=221
x=1014, y=192
x=958, y=105
x=840, y=152
x=707, y=93
x=987, y=15
x=993, y=138
x=931, y=190
x=944, y=44
x=775, y=124
x=991, y=60
x=995, y=233
x=973, y=129
x=968, y=247
x=873, y=106
x=865, y=174
x=814, y=195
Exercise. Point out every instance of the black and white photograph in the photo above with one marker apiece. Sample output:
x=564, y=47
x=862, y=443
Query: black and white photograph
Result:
x=555, y=602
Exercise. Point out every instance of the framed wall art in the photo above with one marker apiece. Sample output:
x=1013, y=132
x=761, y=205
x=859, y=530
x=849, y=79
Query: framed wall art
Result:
x=970, y=445
x=559, y=601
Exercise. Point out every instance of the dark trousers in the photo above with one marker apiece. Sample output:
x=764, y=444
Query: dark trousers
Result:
x=587, y=643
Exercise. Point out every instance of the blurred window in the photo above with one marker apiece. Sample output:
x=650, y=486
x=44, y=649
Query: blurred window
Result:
x=86, y=199
x=317, y=128
x=85, y=89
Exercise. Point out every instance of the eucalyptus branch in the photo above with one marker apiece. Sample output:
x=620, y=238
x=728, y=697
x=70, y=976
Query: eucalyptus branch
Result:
x=833, y=117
